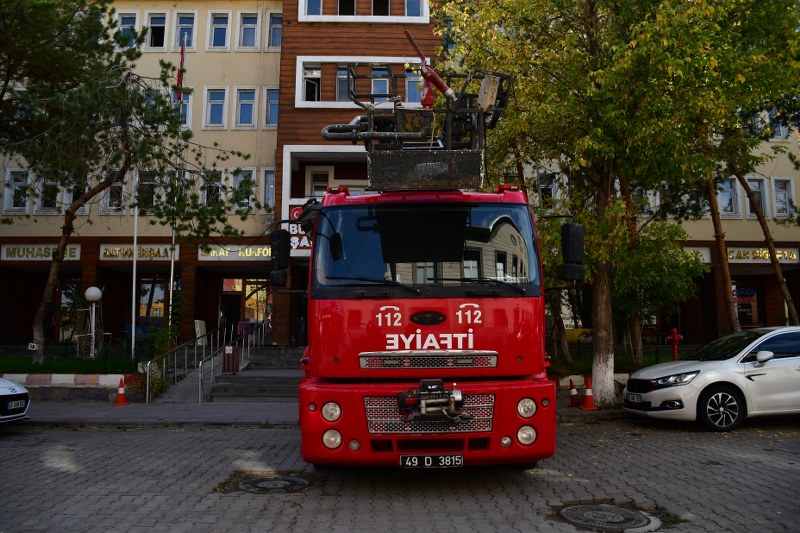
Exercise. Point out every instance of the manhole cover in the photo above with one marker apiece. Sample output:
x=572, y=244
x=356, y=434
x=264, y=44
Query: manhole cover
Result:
x=273, y=484
x=608, y=517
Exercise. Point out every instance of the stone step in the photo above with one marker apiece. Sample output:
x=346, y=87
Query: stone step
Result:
x=279, y=385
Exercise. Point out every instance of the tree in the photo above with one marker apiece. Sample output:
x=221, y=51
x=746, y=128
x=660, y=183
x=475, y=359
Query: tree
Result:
x=620, y=93
x=76, y=111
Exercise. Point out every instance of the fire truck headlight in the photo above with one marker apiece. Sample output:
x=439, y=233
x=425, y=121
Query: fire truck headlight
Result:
x=526, y=408
x=505, y=442
x=331, y=411
x=526, y=435
x=332, y=439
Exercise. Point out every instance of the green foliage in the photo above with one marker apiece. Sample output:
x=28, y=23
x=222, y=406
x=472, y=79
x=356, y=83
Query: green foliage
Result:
x=68, y=365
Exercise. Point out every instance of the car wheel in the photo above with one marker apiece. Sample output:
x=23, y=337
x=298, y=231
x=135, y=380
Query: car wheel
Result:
x=721, y=408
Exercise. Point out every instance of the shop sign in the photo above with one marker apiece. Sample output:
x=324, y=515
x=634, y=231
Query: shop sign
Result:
x=146, y=252
x=299, y=240
x=761, y=255
x=38, y=252
x=703, y=252
x=233, y=252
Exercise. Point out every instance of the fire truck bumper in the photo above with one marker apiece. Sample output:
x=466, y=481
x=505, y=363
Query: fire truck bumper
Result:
x=496, y=422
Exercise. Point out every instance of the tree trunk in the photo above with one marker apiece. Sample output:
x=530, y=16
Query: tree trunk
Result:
x=773, y=257
x=634, y=321
x=559, y=331
x=602, y=323
x=635, y=333
x=722, y=252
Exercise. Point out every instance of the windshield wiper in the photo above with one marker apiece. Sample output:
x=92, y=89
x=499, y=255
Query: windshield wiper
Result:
x=380, y=281
x=484, y=281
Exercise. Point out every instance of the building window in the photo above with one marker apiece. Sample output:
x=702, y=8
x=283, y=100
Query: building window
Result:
x=47, y=196
x=146, y=186
x=784, y=203
x=728, y=199
x=319, y=184
x=380, y=85
x=184, y=30
x=757, y=186
x=156, y=30
x=248, y=30
x=311, y=83
x=127, y=29
x=347, y=7
x=343, y=85
x=413, y=8
x=269, y=189
x=423, y=272
x=242, y=188
x=215, y=108
x=380, y=8
x=413, y=87
x=16, y=193
x=114, y=199
x=183, y=107
x=219, y=31
x=212, y=187
x=77, y=191
x=500, y=261
x=245, y=108
x=313, y=7
x=273, y=101
x=778, y=125
x=275, y=30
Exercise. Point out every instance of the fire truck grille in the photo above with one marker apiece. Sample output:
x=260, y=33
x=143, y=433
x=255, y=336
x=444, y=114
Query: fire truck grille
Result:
x=422, y=359
x=383, y=416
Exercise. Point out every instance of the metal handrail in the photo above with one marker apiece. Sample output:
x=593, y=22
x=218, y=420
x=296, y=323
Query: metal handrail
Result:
x=192, y=354
x=255, y=336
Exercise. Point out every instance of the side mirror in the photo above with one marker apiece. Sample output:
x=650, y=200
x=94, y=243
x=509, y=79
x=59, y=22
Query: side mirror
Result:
x=763, y=356
x=279, y=249
x=572, y=251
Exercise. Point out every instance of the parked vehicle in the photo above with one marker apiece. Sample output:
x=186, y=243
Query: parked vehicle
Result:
x=745, y=374
x=14, y=401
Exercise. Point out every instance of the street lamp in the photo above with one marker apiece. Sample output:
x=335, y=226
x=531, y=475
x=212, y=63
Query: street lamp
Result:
x=92, y=295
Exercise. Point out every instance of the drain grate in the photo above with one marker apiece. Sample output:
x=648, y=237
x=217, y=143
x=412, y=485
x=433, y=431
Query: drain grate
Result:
x=604, y=517
x=265, y=482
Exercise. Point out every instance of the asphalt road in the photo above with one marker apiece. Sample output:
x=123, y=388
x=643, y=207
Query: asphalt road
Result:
x=192, y=478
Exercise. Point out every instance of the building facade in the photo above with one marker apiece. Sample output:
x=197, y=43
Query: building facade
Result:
x=266, y=77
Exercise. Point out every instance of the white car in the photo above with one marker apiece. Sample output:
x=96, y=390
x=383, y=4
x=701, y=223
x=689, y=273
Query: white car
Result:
x=750, y=373
x=14, y=401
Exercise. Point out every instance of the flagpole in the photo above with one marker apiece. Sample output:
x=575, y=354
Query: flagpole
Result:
x=172, y=248
x=135, y=258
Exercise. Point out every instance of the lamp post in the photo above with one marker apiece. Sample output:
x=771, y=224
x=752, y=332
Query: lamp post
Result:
x=92, y=295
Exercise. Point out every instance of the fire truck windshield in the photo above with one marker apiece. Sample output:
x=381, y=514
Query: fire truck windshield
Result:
x=403, y=250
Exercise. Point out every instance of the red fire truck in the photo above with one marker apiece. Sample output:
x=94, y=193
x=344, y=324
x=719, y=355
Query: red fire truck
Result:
x=425, y=300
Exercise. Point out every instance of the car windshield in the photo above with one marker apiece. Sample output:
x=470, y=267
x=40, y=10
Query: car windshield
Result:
x=427, y=247
x=724, y=347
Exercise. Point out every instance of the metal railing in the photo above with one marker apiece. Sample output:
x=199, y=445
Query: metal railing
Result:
x=239, y=346
x=195, y=355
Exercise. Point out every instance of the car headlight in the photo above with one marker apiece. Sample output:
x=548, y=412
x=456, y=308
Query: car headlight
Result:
x=675, y=379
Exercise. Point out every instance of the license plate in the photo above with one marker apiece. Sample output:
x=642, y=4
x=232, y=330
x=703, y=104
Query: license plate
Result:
x=633, y=398
x=431, y=461
x=17, y=404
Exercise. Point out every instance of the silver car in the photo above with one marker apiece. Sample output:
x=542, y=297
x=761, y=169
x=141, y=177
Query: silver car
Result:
x=14, y=401
x=750, y=373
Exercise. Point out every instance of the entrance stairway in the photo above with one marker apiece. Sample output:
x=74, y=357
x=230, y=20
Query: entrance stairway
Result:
x=273, y=375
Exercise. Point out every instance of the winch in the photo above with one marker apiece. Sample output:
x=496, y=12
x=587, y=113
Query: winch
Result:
x=432, y=401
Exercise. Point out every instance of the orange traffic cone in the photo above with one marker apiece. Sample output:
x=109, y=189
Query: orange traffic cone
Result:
x=588, y=399
x=573, y=395
x=121, y=398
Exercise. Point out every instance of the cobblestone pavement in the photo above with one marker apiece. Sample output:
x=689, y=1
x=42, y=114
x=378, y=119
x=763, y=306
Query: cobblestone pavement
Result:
x=177, y=479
